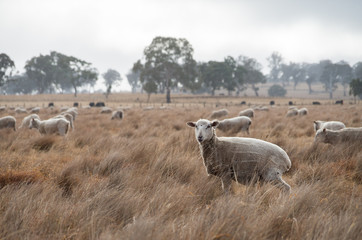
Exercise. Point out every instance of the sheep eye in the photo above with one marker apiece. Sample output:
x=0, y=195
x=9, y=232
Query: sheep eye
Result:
x=208, y=126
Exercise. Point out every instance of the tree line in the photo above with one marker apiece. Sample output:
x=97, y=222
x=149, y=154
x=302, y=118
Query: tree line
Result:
x=167, y=65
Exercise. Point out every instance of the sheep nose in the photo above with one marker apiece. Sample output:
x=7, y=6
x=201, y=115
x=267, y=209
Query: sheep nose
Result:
x=199, y=138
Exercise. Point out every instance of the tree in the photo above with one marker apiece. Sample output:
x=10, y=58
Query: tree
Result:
x=212, y=74
x=19, y=83
x=40, y=70
x=313, y=72
x=275, y=61
x=111, y=77
x=277, y=91
x=252, y=73
x=6, y=65
x=329, y=76
x=357, y=70
x=345, y=74
x=356, y=88
x=149, y=87
x=168, y=61
x=133, y=80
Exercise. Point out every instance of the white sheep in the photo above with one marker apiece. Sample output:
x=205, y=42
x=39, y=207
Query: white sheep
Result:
x=27, y=119
x=344, y=135
x=332, y=125
x=302, y=111
x=35, y=110
x=72, y=112
x=20, y=110
x=106, y=110
x=68, y=117
x=8, y=122
x=240, y=159
x=54, y=125
x=2, y=108
x=247, y=112
x=292, y=112
x=219, y=113
x=118, y=114
x=235, y=125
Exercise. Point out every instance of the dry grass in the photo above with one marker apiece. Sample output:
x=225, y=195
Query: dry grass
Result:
x=143, y=178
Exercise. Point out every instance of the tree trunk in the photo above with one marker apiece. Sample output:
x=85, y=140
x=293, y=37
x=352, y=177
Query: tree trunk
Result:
x=310, y=87
x=75, y=91
x=168, y=95
x=213, y=92
x=256, y=89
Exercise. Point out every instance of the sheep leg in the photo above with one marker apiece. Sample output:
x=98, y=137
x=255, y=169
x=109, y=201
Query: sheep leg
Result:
x=275, y=177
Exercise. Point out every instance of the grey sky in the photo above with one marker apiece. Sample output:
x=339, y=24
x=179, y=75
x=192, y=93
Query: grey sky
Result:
x=113, y=34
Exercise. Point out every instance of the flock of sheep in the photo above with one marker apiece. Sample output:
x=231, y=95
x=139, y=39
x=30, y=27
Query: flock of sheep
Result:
x=237, y=159
x=248, y=159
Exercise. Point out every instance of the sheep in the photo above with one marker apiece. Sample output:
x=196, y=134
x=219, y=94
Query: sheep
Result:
x=247, y=113
x=106, y=110
x=331, y=125
x=20, y=110
x=344, y=135
x=8, y=122
x=68, y=117
x=35, y=110
x=2, y=108
x=302, y=111
x=50, y=126
x=63, y=109
x=72, y=112
x=235, y=124
x=292, y=112
x=117, y=114
x=27, y=119
x=219, y=113
x=240, y=159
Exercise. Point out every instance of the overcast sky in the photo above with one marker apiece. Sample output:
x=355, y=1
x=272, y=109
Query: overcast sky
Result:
x=113, y=34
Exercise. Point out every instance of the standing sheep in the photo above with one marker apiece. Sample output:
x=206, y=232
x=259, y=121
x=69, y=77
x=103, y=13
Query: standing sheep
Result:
x=8, y=122
x=235, y=125
x=332, y=125
x=71, y=111
x=219, y=113
x=26, y=121
x=59, y=126
x=345, y=135
x=247, y=113
x=117, y=114
x=240, y=159
x=302, y=111
x=68, y=117
x=292, y=112
x=106, y=110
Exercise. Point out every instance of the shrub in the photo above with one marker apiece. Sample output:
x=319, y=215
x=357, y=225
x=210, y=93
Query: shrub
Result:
x=277, y=91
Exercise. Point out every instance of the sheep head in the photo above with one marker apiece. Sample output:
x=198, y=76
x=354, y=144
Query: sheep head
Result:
x=320, y=135
x=204, y=129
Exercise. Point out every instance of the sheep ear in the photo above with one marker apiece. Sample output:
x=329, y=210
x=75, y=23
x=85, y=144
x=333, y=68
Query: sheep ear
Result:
x=324, y=130
x=191, y=124
x=215, y=123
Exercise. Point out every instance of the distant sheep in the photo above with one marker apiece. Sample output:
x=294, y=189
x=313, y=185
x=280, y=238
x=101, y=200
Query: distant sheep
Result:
x=72, y=112
x=51, y=126
x=344, y=135
x=339, y=102
x=219, y=113
x=51, y=104
x=240, y=159
x=118, y=114
x=272, y=103
x=8, y=122
x=20, y=110
x=292, y=112
x=106, y=110
x=63, y=109
x=316, y=103
x=247, y=112
x=235, y=125
x=91, y=104
x=2, y=108
x=68, y=117
x=35, y=110
x=100, y=104
x=26, y=121
x=302, y=111
x=331, y=125
x=75, y=104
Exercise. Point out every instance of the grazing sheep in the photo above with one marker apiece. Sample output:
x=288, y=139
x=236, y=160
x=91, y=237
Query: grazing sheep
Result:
x=247, y=113
x=148, y=108
x=51, y=104
x=100, y=104
x=344, y=135
x=316, y=103
x=27, y=119
x=8, y=122
x=240, y=159
x=20, y=110
x=35, y=110
x=264, y=108
x=302, y=111
x=63, y=109
x=117, y=114
x=68, y=117
x=235, y=125
x=106, y=110
x=56, y=125
x=292, y=112
x=219, y=113
x=2, y=108
x=72, y=112
x=331, y=125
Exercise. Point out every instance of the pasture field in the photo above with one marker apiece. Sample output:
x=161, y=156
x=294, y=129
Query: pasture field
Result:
x=143, y=177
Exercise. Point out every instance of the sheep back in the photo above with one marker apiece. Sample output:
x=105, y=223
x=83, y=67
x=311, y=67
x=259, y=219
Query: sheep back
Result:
x=247, y=112
x=332, y=125
x=26, y=120
x=8, y=122
x=235, y=124
x=219, y=113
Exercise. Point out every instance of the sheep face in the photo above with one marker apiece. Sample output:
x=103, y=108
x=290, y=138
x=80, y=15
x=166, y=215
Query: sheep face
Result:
x=33, y=124
x=320, y=135
x=204, y=129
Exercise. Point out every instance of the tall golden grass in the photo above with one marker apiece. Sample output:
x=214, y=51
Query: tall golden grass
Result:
x=143, y=178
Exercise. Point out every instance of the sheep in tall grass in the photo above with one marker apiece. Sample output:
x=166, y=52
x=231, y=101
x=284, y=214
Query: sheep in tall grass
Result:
x=302, y=111
x=240, y=159
x=20, y=110
x=8, y=122
x=68, y=117
x=331, y=125
x=26, y=121
x=70, y=111
x=344, y=135
x=51, y=126
x=247, y=113
x=235, y=125
x=35, y=110
x=292, y=112
x=118, y=114
x=2, y=108
x=219, y=113
x=106, y=110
